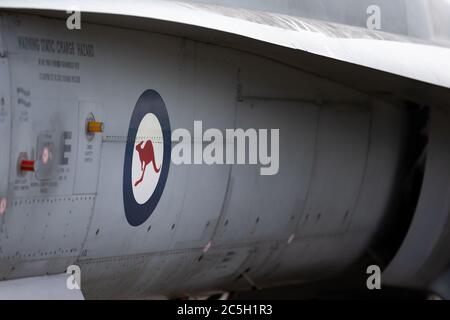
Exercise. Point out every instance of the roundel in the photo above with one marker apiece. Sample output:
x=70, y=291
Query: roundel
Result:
x=147, y=157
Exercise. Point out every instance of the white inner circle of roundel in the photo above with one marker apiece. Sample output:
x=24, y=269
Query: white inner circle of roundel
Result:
x=147, y=161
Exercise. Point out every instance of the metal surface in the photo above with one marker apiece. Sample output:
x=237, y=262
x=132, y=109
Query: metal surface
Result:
x=343, y=151
x=247, y=218
x=422, y=257
x=38, y=288
x=371, y=49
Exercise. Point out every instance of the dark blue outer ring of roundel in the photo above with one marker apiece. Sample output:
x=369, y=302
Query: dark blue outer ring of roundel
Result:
x=149, y=101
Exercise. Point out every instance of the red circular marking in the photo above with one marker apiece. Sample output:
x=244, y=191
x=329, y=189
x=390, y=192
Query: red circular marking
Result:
x=45, y=155
x=3, y=204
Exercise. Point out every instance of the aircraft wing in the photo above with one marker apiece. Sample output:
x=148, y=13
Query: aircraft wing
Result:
x=378, y=50
x=364, y=117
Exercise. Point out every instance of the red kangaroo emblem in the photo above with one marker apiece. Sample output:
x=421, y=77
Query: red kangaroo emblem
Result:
x=146, y=156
